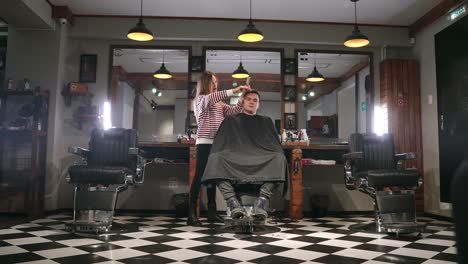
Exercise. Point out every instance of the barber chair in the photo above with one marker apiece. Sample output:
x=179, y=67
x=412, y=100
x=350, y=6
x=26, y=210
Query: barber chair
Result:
x=460, y=214
x=373, y=167
x=109, y=166
x=246, y=194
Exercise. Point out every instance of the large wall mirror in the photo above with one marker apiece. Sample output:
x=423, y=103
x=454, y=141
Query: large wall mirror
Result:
x=156, y=107
x=341, y=104
x=264, y=68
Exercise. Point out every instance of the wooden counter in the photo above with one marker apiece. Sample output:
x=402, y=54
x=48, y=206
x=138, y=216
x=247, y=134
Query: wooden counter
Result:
x=295, y=153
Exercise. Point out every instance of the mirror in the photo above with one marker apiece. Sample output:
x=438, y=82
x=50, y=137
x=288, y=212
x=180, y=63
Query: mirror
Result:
x=336, y=107
x=155, y=107
x=264, y=67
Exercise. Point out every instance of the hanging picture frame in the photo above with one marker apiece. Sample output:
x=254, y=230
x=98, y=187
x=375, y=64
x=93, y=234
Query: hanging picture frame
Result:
x=289, y=66
x=290, y=93
x=290, y=121
x=196, y=64
x=88, y=67
x=192, y=90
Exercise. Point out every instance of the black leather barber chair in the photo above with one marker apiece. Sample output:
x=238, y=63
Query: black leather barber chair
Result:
x=373, y=167
x=109, y=166
x=459, y=202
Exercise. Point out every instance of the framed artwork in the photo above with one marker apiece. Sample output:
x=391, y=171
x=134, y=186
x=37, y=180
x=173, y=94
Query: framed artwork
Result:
x=196, y=64
x=191, y=120
x=290, y=93
x=290, y=121
x=289, y=66
x=88, y=66
x=192, y=90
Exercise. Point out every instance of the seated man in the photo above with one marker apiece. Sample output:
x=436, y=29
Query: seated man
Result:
x=247, y=150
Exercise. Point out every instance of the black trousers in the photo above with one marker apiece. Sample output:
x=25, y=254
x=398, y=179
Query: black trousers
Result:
x=203, y=151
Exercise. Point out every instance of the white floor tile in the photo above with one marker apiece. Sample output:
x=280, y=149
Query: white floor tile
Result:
x=142, y=234
x=79, y=242
x=42, y=261
x=314, y=228
x=328, y=235
x=238, y=244
x=26, y=225
x=122, y=253
x=185, y=243
x=301, y=254
x=242, y=254
x=340, y=243
x=450, y=250
x=181, y=254
x=389, y=242
x=9, y=231
x=289, y=243
x=370, y=235
x=280, y=235
x=8, y=250
x=132, y=243
x=26, y=240
x=411, y=252
x=44, y=220
x=188, y=235
x=436, y=261
x=191, y=228
x=60, y=252
x=358, y=253
x=437, y=242
x=47, y=233
x=446, y=233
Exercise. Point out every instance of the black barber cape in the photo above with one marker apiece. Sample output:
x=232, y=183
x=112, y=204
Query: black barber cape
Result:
x=247, y=149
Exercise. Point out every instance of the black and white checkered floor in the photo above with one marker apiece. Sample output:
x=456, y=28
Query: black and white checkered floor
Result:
x=165, y=239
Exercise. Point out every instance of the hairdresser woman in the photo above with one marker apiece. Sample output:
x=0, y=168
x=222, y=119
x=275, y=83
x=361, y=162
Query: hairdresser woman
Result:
x=209, y=112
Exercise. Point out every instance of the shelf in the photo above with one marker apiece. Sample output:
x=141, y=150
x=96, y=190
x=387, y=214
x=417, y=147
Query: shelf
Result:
x=22, y=132
x=5, y=93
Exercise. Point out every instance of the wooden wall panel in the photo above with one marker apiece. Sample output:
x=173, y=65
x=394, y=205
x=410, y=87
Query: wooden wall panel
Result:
x=399, y=89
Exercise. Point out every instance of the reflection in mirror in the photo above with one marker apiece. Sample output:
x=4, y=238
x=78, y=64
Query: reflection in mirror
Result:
x=156, y=107
x=264, y=68
x=335, y=108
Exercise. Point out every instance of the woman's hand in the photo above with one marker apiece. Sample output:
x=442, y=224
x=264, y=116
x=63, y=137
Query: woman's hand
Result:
x=241, y=89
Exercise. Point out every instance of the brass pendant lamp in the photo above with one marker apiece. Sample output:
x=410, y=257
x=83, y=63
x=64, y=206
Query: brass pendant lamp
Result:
x=163, y=72
x=240, y=72
x=356, y=39
x=315, y=75
x=140, y=32
x=250, y=33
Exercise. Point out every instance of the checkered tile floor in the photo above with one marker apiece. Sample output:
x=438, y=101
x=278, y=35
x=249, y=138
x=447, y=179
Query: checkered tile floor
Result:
x=165, y=239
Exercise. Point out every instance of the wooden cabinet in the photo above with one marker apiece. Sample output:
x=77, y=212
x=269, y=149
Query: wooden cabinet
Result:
x=23, y=142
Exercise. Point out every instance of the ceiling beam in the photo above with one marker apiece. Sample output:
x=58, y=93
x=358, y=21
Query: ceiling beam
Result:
x=435, y=13
x=355, y=69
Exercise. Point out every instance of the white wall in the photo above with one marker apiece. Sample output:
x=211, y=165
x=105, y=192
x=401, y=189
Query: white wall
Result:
x=362, y=120
x=329, y=106
x=128, y=96
x=346, y=108
x=424, y=51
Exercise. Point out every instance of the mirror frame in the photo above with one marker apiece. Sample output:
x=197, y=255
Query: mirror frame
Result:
x=370, y=105
x=111, y=90
x=280, y=50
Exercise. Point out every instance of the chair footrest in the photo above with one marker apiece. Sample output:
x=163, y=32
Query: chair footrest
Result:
x=88, y=226
x=404, y=227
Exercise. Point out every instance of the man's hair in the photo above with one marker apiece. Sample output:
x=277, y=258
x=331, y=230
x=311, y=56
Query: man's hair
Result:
x=204, y=82
x=252, y=92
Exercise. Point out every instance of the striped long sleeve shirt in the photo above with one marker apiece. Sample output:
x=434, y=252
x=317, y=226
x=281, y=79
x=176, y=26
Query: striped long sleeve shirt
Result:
x=210, y=112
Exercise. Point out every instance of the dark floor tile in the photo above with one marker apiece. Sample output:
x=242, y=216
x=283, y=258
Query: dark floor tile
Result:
x=309, y=239
x=157, y=248
x=212, y=248
x=162, y=239
x=99, y=247
x=269, y=249
x=171, y=225
x=4, y=244
x=112, y=238
x=298, y=232
x=212, y=260
x=356, y=239
x=426, y=247
x=446, y=257
x=36, y=228
x=80, y=259
x=290, y=225
x=22, y=257
x=146, y=259
x=275, y=259
x=322, y=248
x=452, y=238
x=62, y=237
x=399, y=259
x=379, y=248
x=329, y=225
x=211, y=231
x=42, y=246
x=260, y=239
x=167, y=231
x=212, y=239
x=13, y=236
x=335, y=259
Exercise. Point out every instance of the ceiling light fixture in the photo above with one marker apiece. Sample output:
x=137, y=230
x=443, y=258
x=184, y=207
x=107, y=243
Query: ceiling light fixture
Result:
x=140, y=32
x=315, y=75
x=250, y=32
x=240, y=72
x=356, y=39
x=162, y=73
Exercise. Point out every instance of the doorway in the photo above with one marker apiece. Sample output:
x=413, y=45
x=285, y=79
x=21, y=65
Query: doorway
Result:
x=452, y=100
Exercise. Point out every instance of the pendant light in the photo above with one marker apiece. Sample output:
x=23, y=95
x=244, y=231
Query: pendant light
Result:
x=356, y=39
x=140, y=32
x=315, y=76
x=162, y=73
x=240, y=72
x=250, y=32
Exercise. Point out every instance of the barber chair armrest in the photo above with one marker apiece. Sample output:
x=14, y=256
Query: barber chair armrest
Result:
x=79, y=151
x=140, y=169
x=406, y=156
x=353, y=155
